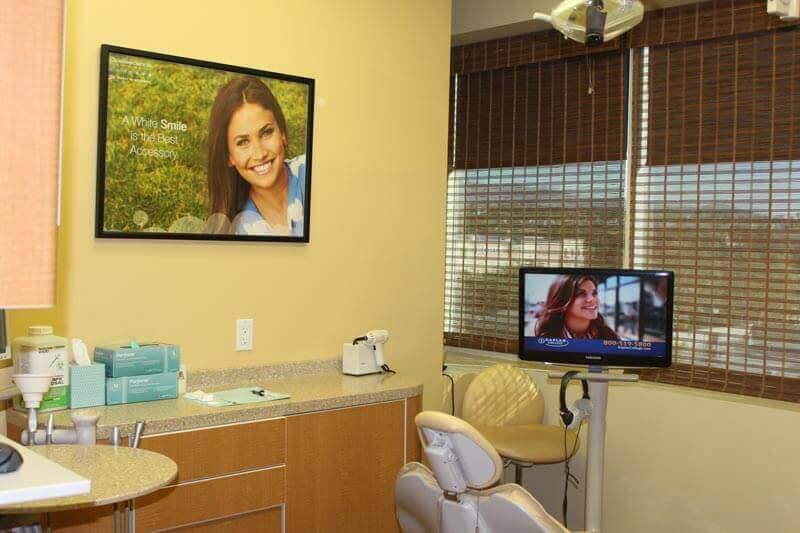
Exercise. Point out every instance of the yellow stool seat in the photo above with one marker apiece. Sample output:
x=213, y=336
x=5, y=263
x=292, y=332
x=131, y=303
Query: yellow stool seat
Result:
x=507, y=407
x=534, y=443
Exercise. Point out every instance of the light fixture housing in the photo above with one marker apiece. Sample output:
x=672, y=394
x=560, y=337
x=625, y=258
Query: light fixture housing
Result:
x=570, y=17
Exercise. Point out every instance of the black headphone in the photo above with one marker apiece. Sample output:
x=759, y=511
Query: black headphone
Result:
x=567, y=415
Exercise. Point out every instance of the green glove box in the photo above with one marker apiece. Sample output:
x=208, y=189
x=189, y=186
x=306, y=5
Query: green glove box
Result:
x=132, y=389
x=130, y=359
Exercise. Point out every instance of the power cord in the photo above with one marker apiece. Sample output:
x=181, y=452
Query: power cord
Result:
x=452, y=390
x=569, y=478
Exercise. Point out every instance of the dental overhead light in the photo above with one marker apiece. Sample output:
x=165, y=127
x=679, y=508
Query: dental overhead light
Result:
x=594, y=21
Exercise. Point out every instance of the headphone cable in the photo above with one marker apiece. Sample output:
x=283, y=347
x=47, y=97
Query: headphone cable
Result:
x=452, y=390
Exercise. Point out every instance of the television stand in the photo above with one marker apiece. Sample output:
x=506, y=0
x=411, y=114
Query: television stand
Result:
x=598, y=380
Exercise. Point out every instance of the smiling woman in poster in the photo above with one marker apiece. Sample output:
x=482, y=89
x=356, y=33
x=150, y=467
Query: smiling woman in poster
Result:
x=571, y=311
x=250, y=181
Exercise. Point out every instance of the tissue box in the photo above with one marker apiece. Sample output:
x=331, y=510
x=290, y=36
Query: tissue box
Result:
x=132, y=389
x=87, y=385
x=142, y=360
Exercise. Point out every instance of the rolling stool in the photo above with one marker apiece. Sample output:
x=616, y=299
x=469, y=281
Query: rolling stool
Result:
x=506, y=406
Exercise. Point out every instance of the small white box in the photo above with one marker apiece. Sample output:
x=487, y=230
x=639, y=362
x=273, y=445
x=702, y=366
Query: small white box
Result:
x=358, y=360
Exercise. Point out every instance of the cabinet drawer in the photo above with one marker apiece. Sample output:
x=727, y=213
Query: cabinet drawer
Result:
x=222, y=450
x=210, y=499
x=266, y=521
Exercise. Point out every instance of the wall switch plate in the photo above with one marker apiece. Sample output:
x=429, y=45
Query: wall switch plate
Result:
x=244, y=334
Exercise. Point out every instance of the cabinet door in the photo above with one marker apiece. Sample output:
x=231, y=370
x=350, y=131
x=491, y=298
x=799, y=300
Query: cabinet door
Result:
x=341, y=468
x=91, y=520
x=413, y=445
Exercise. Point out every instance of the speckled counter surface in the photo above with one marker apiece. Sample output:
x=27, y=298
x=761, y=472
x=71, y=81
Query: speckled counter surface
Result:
x=117, y=473
x=312, y=386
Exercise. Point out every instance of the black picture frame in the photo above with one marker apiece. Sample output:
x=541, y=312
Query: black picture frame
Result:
x=103, y=209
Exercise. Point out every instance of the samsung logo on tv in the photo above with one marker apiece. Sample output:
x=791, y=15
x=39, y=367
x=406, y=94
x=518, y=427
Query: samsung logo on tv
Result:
x=554, y=343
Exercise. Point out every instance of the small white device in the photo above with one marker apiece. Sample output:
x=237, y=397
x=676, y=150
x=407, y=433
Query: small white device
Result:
x=594, y=21
x=785, y=9
x=365, y=354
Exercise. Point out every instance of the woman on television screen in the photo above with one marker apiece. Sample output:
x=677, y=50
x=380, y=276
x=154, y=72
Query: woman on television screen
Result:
x=571, y=311
x=250, y=181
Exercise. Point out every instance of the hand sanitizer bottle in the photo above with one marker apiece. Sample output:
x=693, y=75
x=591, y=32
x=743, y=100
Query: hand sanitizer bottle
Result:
x=41, y=352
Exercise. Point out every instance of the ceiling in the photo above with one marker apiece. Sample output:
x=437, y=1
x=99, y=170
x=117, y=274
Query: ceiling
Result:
x=480, y=20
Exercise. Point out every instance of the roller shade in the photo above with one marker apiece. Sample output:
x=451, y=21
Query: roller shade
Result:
x=536, y=178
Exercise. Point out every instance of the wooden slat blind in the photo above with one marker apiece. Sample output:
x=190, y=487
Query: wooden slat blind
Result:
x=703, y=21
x=536, y=178
x=717, y=199
x=541, y=114
x=520, y=50
x=723, y=100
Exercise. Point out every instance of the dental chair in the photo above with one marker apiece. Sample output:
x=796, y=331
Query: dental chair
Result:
x=454, y=497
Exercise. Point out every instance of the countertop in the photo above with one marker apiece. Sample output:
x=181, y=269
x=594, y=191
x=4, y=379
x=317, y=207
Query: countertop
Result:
x=37, y=478
x=117, y=473
x=312, y=386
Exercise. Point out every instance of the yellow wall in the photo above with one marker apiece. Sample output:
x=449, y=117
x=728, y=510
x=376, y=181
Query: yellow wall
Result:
x=678, y=459
x=684, y=460
x=376, y=256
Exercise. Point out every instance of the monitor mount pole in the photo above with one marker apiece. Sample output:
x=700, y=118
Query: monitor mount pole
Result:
x=595, y=456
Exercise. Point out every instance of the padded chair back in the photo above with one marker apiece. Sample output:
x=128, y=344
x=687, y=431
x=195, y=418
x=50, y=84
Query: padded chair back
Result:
x=463, y=462
x=459, y=455
x=502, y=395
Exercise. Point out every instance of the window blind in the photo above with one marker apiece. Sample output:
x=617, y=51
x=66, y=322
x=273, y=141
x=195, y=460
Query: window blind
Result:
x=711, y=189
x=717, y=199
x=536, y=178
x=31, y=54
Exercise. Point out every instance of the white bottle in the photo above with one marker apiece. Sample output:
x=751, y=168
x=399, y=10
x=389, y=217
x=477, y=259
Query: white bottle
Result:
x=41, y=352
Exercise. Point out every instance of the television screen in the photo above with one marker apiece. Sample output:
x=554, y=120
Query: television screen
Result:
x=596, y=316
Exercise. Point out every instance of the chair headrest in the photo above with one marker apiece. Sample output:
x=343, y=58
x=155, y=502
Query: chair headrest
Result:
x=477, y=462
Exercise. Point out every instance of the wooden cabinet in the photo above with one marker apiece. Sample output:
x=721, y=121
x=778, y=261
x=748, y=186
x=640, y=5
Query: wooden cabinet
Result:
x=342, y=466
x=327, y=471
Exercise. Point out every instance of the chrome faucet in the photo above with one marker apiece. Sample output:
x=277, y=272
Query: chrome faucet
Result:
x=84, y=432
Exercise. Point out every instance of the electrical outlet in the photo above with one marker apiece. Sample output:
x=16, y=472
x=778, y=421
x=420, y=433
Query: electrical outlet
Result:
x=244, y=334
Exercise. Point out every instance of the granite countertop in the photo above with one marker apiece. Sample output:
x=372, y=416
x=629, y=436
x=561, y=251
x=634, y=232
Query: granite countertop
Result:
x=117, y=473
x=312, y=386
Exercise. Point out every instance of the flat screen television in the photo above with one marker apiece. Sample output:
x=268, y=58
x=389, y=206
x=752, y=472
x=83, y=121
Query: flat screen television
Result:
x=597, y=317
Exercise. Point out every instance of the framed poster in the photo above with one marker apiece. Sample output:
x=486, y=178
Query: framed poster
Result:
x=189, y=149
